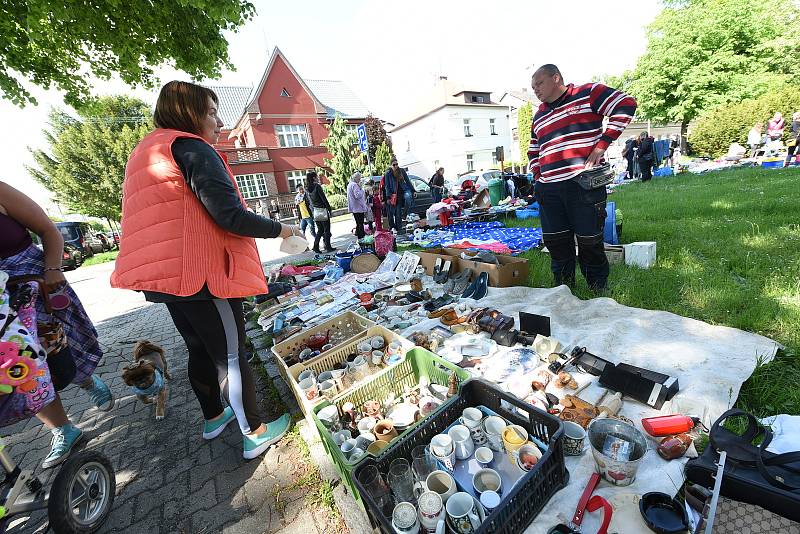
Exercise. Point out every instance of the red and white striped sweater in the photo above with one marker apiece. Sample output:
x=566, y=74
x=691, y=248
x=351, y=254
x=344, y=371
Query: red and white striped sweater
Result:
x=564, y=133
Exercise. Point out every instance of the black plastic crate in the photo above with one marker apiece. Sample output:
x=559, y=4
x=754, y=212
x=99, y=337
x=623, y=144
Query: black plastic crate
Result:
x=528, y=496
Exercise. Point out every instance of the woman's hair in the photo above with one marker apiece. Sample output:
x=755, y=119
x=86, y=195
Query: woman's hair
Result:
x=182, y=105
x=356, y=177
x=311, y=178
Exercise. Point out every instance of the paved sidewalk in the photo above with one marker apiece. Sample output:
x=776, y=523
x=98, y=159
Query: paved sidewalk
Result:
x=168, y=479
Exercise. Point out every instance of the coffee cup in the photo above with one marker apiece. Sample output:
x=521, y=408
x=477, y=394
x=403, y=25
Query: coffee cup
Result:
x=366, y=424
x=490, y=500
x=347, y=447
x=377, y=343
x=328, y=389
x=443, y=449
x=493, y=426
x=528, y=456
x=365, y=348
x=484, y=456
x=514, y=437
x=472, y=419
x=377, y=357
x=442, y=483
x=486, y=480
x=309, y=388
x=462, y=441
x=308, y=373
x=574, y=436
x=462, y=514
x=431, y=510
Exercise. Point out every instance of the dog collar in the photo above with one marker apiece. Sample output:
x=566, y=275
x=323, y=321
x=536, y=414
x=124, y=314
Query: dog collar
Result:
x=153, y=388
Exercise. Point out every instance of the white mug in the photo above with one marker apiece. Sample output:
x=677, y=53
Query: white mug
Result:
x=308, y=373
x=493, y=426
x=377, y=357
x=431, y=511
x=462, y=514
x=462, y=441
x=472, y=419
x=443, y=450
x=441, y=482
x=366, y=424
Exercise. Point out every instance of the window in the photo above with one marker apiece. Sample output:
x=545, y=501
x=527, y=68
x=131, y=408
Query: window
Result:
x=478, y=99
x=470, y=163
x=285, y=93
x=295, y=179
x=291, y=135
x=494, y=157
x=467, y=133
x=252, y=185
x=492, y=131
x=351, y=127
x=419, y=185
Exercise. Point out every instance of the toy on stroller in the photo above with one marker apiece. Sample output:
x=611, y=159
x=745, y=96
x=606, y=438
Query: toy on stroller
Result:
x=82, y=492
x=468, y=190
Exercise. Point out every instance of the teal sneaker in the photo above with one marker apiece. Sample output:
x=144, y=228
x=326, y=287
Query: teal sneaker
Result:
x=100, y=394
x=64, y=439
x=254, y=446
x=212, y=429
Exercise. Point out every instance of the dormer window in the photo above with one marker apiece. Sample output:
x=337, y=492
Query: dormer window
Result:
x=477, y=99
x=285, y=93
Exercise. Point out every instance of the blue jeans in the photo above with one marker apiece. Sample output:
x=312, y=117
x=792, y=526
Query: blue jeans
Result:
x=569, y=212
x=408, y=203
x=308, y=221
x=394, y=215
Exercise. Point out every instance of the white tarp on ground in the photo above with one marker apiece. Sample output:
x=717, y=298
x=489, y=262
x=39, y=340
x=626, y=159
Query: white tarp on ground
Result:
x=711, y=363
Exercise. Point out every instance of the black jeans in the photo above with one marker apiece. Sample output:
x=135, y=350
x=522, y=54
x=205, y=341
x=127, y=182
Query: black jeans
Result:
x=394, y=214
x=324, y=232
x=569, y=212
x=359, y=217
x=646, y=167
x=214, y=334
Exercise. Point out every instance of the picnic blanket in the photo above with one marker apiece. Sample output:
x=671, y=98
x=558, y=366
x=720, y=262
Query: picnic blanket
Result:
x=710, y=362
x=485, y=235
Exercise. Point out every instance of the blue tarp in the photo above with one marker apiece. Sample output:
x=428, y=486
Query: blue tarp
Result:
x=517, y=239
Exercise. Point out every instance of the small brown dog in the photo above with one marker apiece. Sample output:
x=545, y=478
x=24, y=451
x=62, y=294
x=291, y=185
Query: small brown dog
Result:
x=146, y=376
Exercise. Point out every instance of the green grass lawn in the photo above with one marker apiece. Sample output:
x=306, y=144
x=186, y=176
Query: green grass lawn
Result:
x=728, y=253
x=102, y=257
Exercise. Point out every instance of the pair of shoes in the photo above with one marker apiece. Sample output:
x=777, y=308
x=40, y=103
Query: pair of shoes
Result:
x=316, y=251
x=330, y=249
x=444, y=300
x=212, y=429
x=451, y=318
x=255, y=445
x=441, y=272
x=100, y=394
x=438, y=313
x=64, y=440
x=484, y=256
x=477, y=289
x=459, y=283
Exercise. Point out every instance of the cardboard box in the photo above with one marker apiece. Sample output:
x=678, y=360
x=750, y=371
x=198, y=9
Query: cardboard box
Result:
x=512, y=271
x=615, y=253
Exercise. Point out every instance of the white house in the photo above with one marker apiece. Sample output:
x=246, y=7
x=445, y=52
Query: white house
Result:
x=514, y=100
x=456, y=129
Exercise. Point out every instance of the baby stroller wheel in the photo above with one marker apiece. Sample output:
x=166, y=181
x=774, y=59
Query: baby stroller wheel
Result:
x=82, y=494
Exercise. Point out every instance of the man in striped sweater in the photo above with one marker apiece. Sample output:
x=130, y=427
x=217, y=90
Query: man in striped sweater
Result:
x=567, y=137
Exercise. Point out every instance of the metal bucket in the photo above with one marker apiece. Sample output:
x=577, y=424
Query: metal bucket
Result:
x=619, y=469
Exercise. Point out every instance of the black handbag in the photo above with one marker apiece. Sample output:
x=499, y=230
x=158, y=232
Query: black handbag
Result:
x=595, y=177
x=752, y=475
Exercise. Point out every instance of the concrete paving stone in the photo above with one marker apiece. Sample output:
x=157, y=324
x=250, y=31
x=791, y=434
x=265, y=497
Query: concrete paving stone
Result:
x=150, y=524
x=210, y=521
x=204, y=498
x=122, y=514
x=265, y=520
x=302, y=524
x=144, y=481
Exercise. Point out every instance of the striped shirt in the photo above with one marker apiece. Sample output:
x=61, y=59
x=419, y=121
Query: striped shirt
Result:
x=564, y=133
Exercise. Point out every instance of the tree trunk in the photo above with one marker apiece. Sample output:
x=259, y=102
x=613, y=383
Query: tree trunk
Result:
x=684, y=142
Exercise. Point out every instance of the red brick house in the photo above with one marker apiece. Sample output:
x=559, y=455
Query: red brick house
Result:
x=273, y=133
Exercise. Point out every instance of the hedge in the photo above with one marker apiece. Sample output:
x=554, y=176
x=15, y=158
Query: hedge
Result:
x=714, y=131
x=337, y=201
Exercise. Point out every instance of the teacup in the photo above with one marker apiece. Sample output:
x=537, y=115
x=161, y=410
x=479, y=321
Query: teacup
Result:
x=442, y=483
x=486, y=480
x=484, y=456
x=309, y=388
x=347, y=447
x=304, y=354
x=327, y=347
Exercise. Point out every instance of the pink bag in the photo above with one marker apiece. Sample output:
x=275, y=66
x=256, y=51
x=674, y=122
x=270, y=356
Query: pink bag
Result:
x=384, y=243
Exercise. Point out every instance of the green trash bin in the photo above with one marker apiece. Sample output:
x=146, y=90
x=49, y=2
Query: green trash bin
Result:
x=496, y=191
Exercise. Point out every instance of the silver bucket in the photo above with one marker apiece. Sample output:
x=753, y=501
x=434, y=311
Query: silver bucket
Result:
x=618, y=448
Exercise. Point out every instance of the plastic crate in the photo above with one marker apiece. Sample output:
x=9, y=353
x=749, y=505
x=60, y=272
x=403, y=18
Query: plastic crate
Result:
x=327, y=360
x=529, y=495
x=417, y=363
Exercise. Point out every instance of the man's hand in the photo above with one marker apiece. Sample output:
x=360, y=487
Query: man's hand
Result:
x=594, y=158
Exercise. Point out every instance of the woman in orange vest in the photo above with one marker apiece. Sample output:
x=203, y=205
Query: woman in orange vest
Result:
x=187, y=241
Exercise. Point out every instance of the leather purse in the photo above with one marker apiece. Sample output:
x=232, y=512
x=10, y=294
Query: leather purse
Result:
x=494, y=321
x=506, y=338
x=321, y=214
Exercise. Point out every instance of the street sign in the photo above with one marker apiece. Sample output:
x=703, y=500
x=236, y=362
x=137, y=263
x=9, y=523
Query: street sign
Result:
x=362, y=137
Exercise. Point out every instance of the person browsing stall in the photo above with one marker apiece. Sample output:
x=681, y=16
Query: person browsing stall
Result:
x=188, y=242
x=306, y=220
x=567, y=138
x=357, y=203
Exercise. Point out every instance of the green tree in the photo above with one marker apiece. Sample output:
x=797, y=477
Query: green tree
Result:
x=524, y=122
x=376, y=136
x=48, y=44
x=704, y=53
x=85, y=164
x=342, y=144
x=383, y=159
x=714, y=131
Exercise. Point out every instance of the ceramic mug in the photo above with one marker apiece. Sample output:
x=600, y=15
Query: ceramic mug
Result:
x=431, y=511
x=366, y=425
x=384, y=430
x=472, y=418
x=486, y=480
x=328, y=389
x=377, y=342
x=365, y=349
x=514, y=437
x=341, y=436
x=347, y=447
x=363, y=441
x=490, y=500
x=462, y=514
x=484, y=456
x=377, y=357
x=442, y=483
x=574, y=435
x=493, y=427
x=462, y=441
x=308, y=373
x=304, y=355
x=443, y=450
x=309, y=388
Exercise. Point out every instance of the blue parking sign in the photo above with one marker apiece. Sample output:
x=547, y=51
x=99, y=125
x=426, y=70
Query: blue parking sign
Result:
x=362, y=137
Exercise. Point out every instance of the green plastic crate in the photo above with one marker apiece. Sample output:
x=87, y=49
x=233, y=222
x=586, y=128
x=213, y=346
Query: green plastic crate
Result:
x=418, y=362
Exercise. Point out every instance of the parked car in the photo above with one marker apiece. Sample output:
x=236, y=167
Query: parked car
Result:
x=114, y=237
x=82, y=236
x=108, y=244
x=72, y=258
x=479, y=179
x=422, y=201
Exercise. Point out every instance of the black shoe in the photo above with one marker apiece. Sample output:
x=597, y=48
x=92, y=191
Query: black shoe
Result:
x=316, y=250
x=481, y=287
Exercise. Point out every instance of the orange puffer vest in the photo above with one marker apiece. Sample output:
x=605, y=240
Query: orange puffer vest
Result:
x=170, y=244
